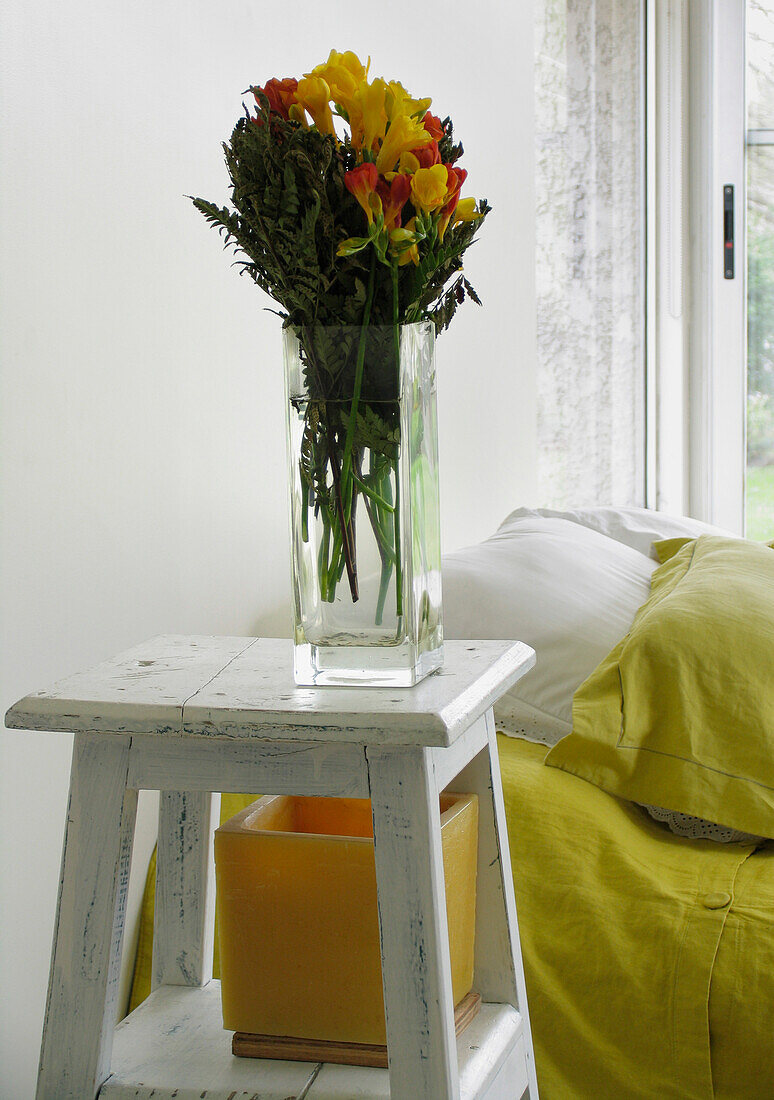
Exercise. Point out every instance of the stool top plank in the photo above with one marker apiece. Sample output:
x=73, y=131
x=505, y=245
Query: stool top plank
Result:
x=231, y=688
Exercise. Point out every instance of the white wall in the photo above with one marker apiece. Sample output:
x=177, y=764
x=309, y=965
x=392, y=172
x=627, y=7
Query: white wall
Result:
x=142, y=422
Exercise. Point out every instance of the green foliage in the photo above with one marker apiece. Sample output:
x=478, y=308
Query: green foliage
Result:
x=291, y=212
x=760, y=428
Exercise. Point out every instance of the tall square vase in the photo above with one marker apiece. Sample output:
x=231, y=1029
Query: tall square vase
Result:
x=364, y=510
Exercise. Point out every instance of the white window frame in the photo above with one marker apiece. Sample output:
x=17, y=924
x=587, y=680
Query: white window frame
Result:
x=718, y=367
x=697, y=318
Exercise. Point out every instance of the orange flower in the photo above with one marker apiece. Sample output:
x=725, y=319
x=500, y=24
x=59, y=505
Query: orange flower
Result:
x=428, y=156
x=362, y=183
x=281, y=94
x=432, y=124
x=394, y=197
x=454, y=181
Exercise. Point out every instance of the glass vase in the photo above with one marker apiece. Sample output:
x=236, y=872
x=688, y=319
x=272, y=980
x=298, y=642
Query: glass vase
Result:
x=365, y=524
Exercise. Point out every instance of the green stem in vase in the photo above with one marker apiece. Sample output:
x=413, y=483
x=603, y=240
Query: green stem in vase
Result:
x=345, y=538
x=396, y=510
x=369, y=492
x=346, y=462
x=398, y=562
x=304, y=506
x=322, y=557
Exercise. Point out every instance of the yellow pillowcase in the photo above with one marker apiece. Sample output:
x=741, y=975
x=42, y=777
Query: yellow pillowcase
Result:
x=681, y=713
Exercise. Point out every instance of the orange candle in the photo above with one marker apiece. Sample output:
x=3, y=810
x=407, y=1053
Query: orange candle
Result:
x=298, y=924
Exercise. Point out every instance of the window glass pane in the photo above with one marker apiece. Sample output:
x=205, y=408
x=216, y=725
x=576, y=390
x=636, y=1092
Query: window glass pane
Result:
x=760, y=342
x=760, y=64
x=759, y=497
x=590, y=240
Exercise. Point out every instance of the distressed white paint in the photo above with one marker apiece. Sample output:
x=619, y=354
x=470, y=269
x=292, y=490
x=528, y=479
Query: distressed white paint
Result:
x=184, y=913
x=142, y=690
x=174, y=1044
x=258, y=695
x=402, y=773
x=282, y=767
x=83, y=985
x=499, y=972
x=489, y=1053
x=450, y=762
x=245, y=688
x=175, y=1041
x=416, y=970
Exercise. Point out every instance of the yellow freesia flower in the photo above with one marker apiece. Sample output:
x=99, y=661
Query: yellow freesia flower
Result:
x=466, y=211
x=404, y=133
x=313, y=93
x=399, y=102
x=399, y=237
x=408, y=163
x=343, y=73
x=367, y=116
x=428, y=187
x=296, y=113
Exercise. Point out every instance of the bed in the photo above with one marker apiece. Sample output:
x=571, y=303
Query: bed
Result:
x=638, y=985
x=649, y=956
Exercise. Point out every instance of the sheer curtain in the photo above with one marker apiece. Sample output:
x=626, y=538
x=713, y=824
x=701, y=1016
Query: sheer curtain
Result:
x=590, y=251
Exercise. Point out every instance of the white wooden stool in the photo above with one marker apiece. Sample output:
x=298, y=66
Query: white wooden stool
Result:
x=189, y=715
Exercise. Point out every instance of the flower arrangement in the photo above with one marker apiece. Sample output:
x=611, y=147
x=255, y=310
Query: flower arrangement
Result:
x=348, y=213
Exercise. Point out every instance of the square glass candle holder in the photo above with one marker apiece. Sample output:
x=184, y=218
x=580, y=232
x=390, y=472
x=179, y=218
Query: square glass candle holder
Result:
x=297, y=915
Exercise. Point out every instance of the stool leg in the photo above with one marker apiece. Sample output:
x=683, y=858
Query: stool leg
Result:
x=184, y=917
x=499, y=971
x=416, y=970
x=86, y=956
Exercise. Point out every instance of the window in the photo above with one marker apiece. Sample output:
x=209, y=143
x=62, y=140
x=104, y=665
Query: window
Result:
x=759, y=497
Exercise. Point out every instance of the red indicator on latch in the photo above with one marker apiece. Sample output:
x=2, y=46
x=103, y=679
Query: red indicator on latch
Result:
x=728, y=231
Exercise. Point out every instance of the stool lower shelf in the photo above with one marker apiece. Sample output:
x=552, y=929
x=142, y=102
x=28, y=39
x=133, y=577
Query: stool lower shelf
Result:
x=175, y=1044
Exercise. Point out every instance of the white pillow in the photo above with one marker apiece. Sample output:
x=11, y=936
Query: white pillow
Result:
x=636, y=527
x=569, y=584
x=565, y=589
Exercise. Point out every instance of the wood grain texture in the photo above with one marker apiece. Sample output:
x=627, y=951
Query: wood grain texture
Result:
x=83, y=985
x=142, y=690
x=184, y=913
x=174, y=1046
x=416, y=969
x=246, y=1045
x=243, y=688
x=281, y=767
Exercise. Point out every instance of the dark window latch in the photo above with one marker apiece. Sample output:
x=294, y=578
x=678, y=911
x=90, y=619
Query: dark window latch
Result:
x=728, y=231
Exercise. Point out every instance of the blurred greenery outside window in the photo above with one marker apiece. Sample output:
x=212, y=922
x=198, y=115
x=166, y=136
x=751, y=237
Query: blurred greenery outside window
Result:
x=759, y=500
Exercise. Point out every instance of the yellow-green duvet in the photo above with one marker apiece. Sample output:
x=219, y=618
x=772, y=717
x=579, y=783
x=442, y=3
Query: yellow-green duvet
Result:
x=649, y=957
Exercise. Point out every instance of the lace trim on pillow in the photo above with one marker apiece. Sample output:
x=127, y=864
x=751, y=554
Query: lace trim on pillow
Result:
x=515, y=718
x=698, y=828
